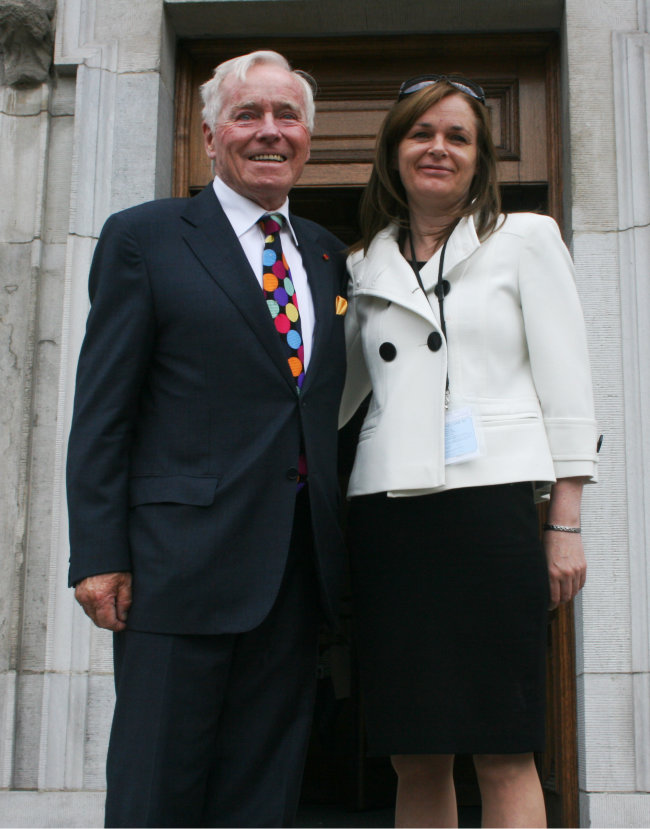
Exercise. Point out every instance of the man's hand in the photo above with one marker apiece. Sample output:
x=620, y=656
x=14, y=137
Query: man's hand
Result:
x=106, y=599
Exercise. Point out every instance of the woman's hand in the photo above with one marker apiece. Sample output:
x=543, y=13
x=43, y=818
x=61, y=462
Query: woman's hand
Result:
x=565, y=556
x=567, y=566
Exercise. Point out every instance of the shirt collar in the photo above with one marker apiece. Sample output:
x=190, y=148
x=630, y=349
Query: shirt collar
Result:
x=243, y=213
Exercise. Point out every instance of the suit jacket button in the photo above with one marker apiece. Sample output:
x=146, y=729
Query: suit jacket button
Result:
x=387, y=351
x=434, y=341
x=292, y=473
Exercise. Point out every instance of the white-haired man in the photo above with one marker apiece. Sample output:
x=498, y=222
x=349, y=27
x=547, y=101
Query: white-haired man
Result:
x=202, y=479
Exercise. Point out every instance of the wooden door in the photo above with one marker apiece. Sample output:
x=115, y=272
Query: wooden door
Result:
x=358, y=80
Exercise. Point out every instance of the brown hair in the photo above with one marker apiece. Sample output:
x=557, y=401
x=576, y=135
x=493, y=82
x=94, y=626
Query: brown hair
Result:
x=384, y=199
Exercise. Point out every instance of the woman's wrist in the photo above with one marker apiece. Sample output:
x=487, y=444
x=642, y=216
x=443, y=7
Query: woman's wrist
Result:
x=564, y=510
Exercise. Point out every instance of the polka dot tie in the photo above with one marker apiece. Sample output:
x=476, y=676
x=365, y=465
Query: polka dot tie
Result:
x=281, y=296
x=282, y=303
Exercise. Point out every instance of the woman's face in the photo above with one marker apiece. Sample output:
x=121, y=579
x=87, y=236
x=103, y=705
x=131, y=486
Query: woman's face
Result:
x=438, y=155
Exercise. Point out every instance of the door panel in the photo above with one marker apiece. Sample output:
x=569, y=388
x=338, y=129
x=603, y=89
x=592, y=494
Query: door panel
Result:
x=358, y=81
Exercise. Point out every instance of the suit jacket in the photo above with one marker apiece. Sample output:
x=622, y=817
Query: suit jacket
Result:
x=516, y=353
x=187, y=423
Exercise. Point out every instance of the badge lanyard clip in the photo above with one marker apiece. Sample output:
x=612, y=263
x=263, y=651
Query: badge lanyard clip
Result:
x=461, y=437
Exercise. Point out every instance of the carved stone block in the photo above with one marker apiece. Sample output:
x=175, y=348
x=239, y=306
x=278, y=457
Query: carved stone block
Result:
x=26, y=41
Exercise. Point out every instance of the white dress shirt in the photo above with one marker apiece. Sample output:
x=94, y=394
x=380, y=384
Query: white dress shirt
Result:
x=244, y=214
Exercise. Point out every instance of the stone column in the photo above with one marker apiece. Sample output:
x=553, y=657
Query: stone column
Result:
x=608, y=96
x=26, y=100
x=632, y=117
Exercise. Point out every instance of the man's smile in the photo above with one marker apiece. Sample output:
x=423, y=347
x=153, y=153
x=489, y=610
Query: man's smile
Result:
x=268, y=157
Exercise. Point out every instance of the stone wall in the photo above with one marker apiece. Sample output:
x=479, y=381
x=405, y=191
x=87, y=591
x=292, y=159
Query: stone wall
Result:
x=88, y=138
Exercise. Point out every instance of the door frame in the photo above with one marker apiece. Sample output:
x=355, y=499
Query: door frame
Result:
x=558, y=766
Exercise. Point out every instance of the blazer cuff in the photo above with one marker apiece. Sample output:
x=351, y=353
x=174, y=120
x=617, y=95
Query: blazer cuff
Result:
x=571, y=439
x=577, y=469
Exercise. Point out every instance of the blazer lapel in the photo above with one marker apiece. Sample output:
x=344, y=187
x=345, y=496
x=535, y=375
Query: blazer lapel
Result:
x=211, y=238
x=385, y=273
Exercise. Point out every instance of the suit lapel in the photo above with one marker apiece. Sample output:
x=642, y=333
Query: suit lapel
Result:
x=211, y=238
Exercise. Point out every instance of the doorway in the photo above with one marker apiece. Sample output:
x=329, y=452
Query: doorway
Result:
x=358, y=80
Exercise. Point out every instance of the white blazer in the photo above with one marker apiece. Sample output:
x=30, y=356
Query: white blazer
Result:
x=516, y=354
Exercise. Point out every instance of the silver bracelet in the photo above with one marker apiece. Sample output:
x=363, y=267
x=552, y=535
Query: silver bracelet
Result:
x=560, y=529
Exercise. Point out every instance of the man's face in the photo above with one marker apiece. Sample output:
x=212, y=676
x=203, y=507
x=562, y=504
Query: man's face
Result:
x=261, y=141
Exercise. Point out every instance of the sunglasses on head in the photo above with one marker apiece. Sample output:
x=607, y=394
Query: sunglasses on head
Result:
x=422, y=81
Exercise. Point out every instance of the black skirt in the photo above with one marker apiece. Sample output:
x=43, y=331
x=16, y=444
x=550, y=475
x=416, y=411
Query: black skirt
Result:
x=450, y=596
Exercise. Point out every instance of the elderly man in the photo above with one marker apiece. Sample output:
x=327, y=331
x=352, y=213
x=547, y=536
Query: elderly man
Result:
x=202, y=468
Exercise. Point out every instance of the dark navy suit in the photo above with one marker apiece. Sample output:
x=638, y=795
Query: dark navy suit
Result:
x=182, y=470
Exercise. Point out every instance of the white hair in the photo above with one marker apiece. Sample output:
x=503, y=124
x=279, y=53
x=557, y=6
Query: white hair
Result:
x=211, y=91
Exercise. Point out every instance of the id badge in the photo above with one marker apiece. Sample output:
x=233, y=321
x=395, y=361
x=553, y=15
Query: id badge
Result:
x=461, y=437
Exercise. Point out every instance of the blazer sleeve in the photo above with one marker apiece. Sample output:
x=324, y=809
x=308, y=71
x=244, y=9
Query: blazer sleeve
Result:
x=557, y=345
x=357, y=379
x=112, y=366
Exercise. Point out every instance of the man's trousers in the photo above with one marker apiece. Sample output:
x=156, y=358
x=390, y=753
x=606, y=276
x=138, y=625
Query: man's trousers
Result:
x=213, y=730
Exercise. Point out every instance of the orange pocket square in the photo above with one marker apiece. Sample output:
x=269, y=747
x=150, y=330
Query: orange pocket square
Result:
x=341, y=306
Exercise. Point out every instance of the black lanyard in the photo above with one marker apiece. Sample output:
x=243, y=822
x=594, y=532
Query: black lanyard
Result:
x=441, y=290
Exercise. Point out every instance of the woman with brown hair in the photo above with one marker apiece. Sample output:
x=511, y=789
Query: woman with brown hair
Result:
x=466, y=326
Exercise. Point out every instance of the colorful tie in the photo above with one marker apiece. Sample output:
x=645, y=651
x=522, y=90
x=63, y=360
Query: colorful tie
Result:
x=281, y=295
x=282, y=302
